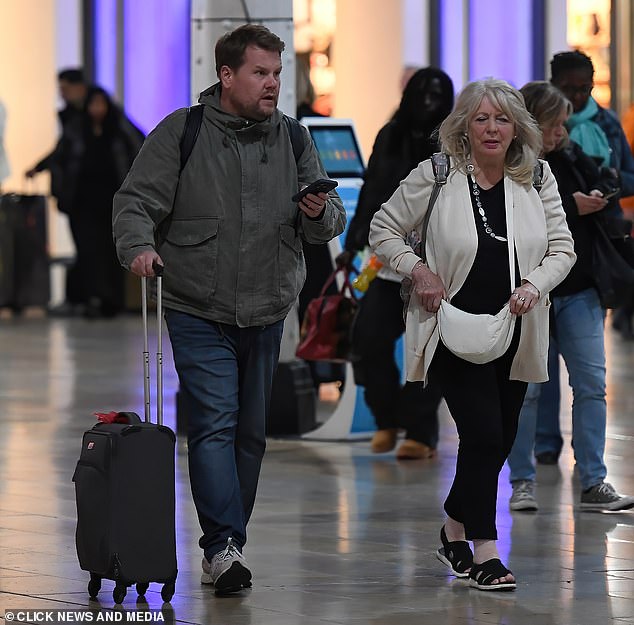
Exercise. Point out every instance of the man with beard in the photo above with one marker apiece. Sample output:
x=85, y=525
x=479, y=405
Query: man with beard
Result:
x=230, y=239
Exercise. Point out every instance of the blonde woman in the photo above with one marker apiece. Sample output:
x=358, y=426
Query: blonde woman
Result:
x=493, y=144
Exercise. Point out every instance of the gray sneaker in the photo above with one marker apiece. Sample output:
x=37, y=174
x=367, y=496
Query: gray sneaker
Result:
x=228, y=570
x=523, y=497
x=604, y=497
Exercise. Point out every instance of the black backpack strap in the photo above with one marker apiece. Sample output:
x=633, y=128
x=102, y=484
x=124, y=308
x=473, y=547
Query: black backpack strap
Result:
x=296, y=135
x=193, y=122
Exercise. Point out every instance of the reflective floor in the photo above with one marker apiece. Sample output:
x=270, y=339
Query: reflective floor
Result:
x=338, y=536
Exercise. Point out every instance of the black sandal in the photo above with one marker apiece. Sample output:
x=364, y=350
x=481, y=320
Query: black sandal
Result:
x=483, y=575
x=455, y=554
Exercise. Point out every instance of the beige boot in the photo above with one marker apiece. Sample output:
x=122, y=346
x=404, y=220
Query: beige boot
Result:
x=384, y=440
x=413, y=450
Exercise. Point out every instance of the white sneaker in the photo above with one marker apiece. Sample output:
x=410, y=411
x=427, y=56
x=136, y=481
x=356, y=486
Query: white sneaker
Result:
x=523, y=497
x=604, y=497
x=228, y=570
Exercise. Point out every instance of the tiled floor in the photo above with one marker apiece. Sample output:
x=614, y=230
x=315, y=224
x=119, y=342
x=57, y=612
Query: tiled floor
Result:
x=338, y=536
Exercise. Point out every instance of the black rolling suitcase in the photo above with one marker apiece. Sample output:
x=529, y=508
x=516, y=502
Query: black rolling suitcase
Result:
x=124, y=487
x=24, y=262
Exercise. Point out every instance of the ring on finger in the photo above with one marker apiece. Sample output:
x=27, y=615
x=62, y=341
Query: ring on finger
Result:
x=522, y=299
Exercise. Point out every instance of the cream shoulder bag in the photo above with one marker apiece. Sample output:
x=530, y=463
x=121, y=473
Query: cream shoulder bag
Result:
x=480, y=338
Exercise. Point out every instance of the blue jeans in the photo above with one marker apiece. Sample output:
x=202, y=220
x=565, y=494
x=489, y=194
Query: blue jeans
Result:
x=578, y=336
x=539, y=421
x=548, y=431
x=226, y=373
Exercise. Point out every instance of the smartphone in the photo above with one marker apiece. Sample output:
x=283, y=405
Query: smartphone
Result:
x=611, y=194
x=323, y=185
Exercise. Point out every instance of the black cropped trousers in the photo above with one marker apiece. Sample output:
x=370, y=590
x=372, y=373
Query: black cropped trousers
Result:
x=485, y=406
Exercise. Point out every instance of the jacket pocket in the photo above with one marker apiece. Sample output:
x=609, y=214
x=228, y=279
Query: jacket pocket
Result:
x=291, y=267
x=92, y=493
x=190, y=254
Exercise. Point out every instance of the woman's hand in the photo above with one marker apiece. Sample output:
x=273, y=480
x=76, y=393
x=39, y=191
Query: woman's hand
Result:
x=428, y=286
x=587, y=204
x=523, y=298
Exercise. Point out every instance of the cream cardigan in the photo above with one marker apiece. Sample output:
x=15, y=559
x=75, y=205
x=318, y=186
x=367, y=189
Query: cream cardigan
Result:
x=544, y=248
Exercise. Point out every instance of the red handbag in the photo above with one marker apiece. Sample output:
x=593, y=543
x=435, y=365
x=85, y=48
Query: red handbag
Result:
x=326, y=331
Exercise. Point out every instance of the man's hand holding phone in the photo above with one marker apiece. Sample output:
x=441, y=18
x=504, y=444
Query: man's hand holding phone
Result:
x=312, y=199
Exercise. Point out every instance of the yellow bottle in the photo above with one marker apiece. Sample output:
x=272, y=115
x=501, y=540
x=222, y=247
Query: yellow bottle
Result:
x=362, y=281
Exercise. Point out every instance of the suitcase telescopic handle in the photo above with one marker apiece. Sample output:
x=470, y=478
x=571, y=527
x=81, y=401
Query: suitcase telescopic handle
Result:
x=158, y=271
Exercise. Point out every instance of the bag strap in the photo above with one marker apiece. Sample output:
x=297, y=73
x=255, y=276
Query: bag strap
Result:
x=296, y=135
x=538, y=176
x=191, y=130
x=193, y=122
x=347, y=285
x=440, y=167
x=510, y=238
x=538, y=183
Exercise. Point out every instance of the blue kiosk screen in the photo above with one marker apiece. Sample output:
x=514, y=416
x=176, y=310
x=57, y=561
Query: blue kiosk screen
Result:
x=338, y=151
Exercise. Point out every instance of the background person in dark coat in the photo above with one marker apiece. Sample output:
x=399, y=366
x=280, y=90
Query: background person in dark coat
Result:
x=72, y=90
x=406, y=140
x=94, y=156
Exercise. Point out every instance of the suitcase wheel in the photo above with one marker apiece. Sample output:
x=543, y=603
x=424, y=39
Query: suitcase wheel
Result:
x=141, y=588
x=94, y=585
x=119, y=593
x=167, y=592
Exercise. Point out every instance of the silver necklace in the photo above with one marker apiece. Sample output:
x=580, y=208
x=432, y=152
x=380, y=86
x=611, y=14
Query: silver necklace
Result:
x=483, y=215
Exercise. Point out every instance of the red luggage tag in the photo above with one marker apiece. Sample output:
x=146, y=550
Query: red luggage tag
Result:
x=112, y=417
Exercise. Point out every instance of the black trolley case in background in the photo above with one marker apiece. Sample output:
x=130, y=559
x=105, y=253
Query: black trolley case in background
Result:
x=124, y=487
x=24, y=261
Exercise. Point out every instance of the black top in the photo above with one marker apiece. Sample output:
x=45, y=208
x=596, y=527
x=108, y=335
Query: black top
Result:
x=488, y=285
x=97, y=175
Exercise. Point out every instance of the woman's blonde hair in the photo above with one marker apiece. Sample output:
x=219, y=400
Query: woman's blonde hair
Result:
x=546, y=103
x=522, y=154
